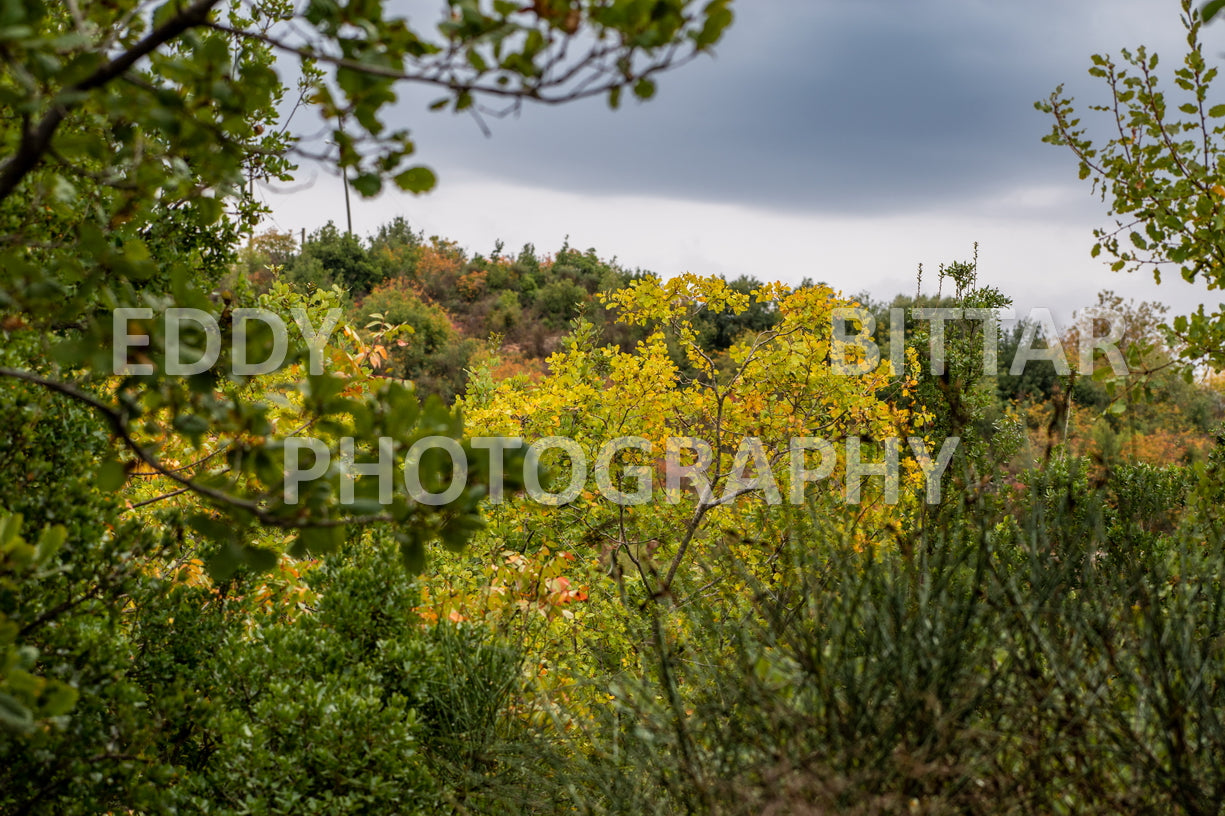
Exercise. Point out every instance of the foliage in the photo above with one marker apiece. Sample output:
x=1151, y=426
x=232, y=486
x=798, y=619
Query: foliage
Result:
x=949, y=337
x=579, y=566
x=1037, y=661
x=177, y=635
x=225, y=698
x=259, y=262
x=81, y=715
x=1163, y=173
x=1150, y=410
x=432, y=354
x=26, y=699
x=132, y=140
x=332, y=258
x=138, y=136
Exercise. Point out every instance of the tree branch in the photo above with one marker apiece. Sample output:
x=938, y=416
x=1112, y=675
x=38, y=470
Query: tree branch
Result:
x=36, y=141
x=533, y=90
x=119, y=427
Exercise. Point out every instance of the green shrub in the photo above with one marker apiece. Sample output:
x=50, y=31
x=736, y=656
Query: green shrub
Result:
x=1042, y=659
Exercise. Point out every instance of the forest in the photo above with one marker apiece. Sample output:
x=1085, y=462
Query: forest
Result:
x=320, y=522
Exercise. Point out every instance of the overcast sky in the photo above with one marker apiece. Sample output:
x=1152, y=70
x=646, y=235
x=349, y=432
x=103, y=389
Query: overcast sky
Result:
x=843, y=140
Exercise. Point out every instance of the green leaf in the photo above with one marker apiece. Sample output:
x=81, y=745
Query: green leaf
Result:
x=412, y=553
x=323, y=387
x=73, y=352
x=190, y=425
x=457, y=532
x=1211, y=9
x=718, y=18
x=13, y=715
x=59, y=700
x=210, y=528
x=416, y=180
x=210, y=210
x=111, y=476
x=367, y=184
x=224, y=563
x=50, y=542
x=320, y=540
x=10, y=530
x=260, y=559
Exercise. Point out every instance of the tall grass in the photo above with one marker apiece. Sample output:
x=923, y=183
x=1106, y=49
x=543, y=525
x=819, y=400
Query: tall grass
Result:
x=1058, y=652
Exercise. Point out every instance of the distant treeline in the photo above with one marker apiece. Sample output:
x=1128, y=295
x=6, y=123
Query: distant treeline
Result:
x=510, y=311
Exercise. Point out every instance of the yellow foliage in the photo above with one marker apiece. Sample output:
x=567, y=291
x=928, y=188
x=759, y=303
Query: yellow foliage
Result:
x=774, y=386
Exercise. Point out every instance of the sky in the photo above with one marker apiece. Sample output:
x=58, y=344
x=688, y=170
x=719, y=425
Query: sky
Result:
x=847, y=141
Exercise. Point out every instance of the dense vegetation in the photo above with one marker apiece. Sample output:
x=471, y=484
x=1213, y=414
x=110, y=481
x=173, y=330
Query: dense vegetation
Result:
x=1039, y=627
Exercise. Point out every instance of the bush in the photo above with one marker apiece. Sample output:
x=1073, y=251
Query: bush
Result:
x=269, y=717
x=558, y=302
x=130, y=682
x=434, y=356
x=1047, y=661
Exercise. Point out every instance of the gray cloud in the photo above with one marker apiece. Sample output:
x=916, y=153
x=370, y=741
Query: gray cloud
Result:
x=834, y=106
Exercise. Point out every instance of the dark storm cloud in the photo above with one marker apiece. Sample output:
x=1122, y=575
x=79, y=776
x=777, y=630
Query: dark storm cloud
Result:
x=834, y=106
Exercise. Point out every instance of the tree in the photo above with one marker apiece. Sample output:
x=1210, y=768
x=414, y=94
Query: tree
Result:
x=588, y=557
x=262, y=260
x=1163, y=173
x=431, y=353
x=133, y=142
x=331, y=257
x=131, y=138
